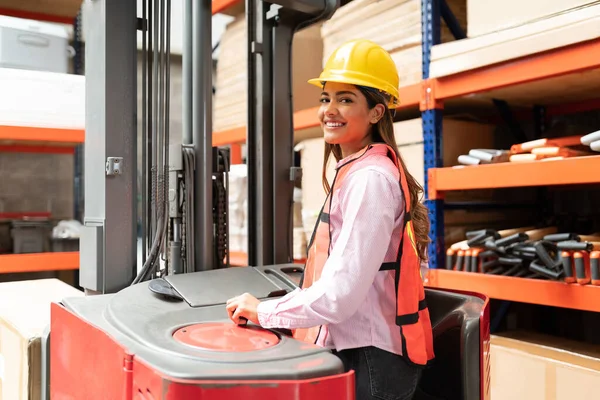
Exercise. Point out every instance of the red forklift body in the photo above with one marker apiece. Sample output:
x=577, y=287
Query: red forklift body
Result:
x=139, y=344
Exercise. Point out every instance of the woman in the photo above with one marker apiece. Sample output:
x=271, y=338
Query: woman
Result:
x=361, y=294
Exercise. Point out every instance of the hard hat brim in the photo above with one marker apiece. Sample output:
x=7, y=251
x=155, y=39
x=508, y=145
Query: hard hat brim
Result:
x=320, y=82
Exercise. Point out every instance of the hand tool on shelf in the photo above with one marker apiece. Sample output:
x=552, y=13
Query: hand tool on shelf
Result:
x=520, y=252
x=595, y=267
x=556, y=151
x=468, y=160
x=590, y=138
x=484, y=234
x=526, y=147
x=581, y=259
x=484, y=156
x=568, y=267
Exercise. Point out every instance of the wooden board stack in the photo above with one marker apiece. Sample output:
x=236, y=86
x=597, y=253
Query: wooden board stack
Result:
x=393, y=24
x=488, y=16
x=230, y=100
x=542, y=34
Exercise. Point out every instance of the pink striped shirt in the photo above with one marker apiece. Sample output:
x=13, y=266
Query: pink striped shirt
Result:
x=353, y=300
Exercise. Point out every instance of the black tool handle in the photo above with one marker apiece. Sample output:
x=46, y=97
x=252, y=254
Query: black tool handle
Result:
x=517, y=237
x=544, y=271
x=510, y=261
x=449, y=258
x=512, y=271
x=467, y=262
x=575, y=246
x=489, y=265
x=496, y=271
x=521, y=273
x=485, y=232
x=565, y=257
x=460, y=259
x=595, y=267
x=488, y=254
x=474, y=262
x=579, y=260
x=561, y=237
x=543, y=251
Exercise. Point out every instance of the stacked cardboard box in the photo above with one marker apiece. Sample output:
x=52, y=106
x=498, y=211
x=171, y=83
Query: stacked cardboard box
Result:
x=230, y=100
x=393, y=24
x=531, y=366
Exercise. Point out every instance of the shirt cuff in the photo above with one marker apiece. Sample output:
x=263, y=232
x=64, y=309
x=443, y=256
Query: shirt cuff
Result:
x=264, y=311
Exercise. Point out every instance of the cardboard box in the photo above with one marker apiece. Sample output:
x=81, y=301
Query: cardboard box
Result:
x=24, y=314
x=529, y=366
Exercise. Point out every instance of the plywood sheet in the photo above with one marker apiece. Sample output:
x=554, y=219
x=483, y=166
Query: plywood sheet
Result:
x=559, y=31
x=487, y=16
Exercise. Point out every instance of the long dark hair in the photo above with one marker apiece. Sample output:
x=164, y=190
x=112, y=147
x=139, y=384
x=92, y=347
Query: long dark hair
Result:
x=383, y=132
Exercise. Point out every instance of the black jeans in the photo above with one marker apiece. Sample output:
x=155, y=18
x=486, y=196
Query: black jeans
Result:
x=379, y=374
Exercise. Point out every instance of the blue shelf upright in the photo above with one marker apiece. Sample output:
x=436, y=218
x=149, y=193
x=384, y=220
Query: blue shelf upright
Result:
x=432, y=130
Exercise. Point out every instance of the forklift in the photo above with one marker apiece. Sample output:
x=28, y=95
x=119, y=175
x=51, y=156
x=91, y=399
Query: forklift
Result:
x=159, y=329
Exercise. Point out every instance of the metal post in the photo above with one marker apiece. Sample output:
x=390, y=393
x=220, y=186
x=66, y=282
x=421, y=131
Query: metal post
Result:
x=108, y=242
x=202, y=132
x=283, y=143
x=187, y=71
x=259, y=137
x=432, y=133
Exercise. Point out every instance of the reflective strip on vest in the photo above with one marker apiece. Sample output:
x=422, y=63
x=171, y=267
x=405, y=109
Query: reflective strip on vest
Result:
x=412, y=314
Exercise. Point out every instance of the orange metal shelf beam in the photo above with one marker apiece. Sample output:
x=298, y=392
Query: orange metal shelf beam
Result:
x=37, y=149
x=561, y=61
x=61, y=19
x=532, y=291
x=15, y=263
x=230, y=136
x=222, y=5
x=46, y=135
x=570, y=171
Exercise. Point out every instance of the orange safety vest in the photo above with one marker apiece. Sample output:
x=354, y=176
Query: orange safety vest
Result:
x=412, y=314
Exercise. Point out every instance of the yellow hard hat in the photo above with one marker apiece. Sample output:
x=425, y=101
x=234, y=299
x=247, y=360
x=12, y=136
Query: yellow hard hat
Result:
x=364, y=63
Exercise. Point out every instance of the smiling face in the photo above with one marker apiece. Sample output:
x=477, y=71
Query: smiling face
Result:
x=346, y=118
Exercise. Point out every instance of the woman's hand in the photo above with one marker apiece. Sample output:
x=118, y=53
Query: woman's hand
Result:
x=243, y=306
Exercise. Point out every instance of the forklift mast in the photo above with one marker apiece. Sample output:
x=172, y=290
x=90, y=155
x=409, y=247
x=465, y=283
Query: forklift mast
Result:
x=182, y=187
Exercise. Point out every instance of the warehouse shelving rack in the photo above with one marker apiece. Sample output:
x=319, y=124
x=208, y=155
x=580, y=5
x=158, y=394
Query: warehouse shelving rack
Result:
x=438, y=179
x=24, y=139
x=428, y=97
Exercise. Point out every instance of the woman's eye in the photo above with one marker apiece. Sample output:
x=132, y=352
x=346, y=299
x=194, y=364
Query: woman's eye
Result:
x=324, y=100
x=345, y=101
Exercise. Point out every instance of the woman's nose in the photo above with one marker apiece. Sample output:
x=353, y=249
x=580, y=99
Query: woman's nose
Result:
x=331, y=109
